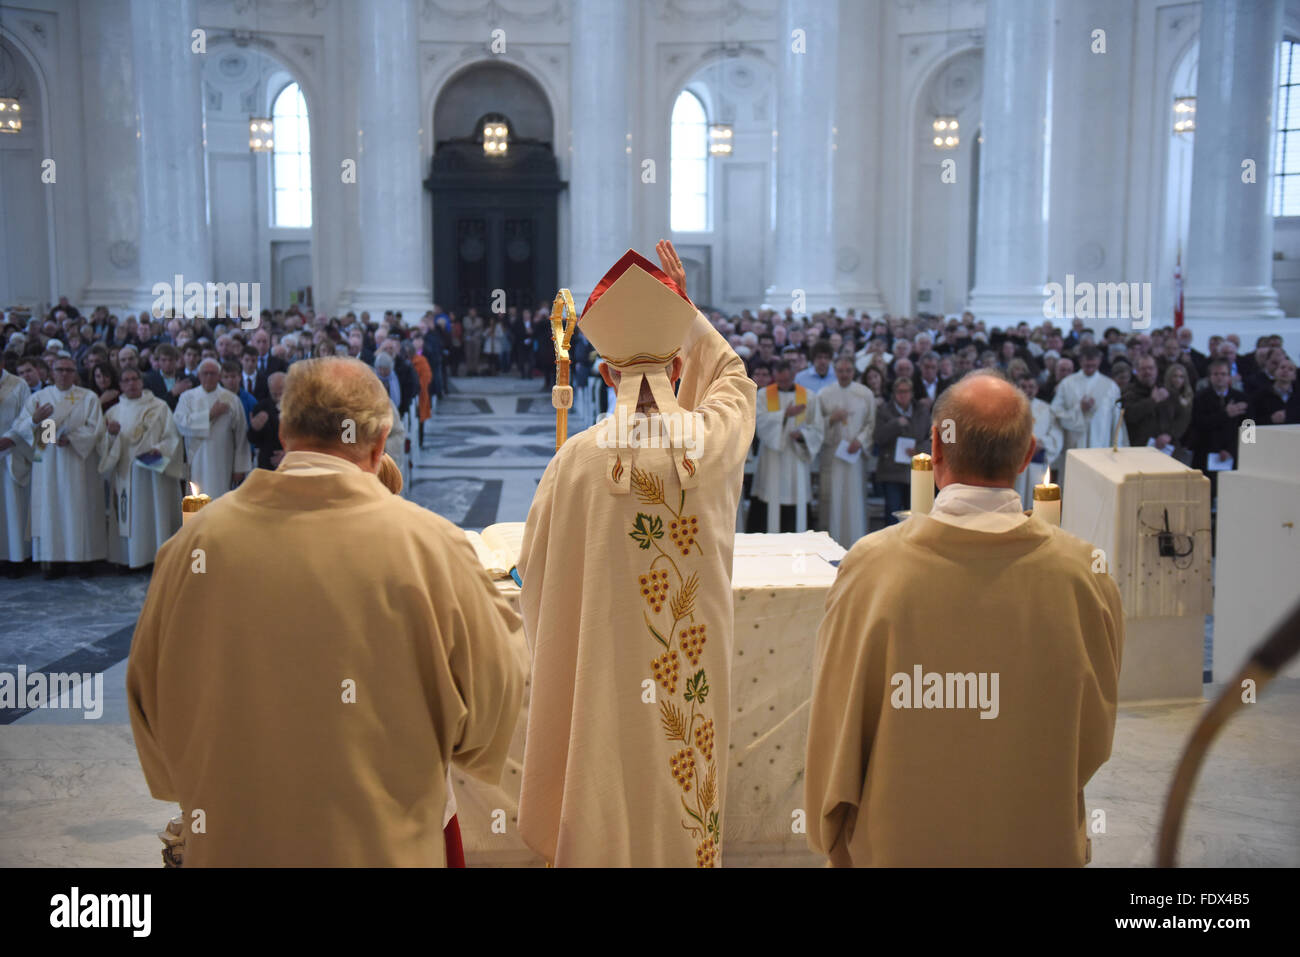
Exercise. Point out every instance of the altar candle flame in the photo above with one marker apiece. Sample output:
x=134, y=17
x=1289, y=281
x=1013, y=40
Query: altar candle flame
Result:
x=1047, y=476
x=194, y=488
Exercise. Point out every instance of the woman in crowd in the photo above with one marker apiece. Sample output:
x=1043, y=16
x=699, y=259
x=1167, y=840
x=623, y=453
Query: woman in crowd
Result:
x=1174, y=414
x=104, y=383
x=874, y=380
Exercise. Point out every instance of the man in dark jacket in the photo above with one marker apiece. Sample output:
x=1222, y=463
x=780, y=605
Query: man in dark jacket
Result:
x=1217, y=413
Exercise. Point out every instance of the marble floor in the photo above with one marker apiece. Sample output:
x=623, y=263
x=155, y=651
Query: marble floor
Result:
x=71, y=792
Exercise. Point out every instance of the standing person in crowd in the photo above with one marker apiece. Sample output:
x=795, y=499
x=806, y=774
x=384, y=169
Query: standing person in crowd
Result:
x=232, y=381
x=264, y=424
x=166, y=380
x=1048, y=440
x=849, y=410
x=820, y=374
x=144, y=463
x=1217, y=414
x=15, y=475
x=211, y=419
x=1279, y=403
x=1087, y=406
x=902, y=430
x=424, y=376
x=790, y=430
x=64, y=426
x=105, y=385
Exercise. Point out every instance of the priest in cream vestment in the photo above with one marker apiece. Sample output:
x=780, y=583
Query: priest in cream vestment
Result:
x=67, y=511
x=1085, y=404
x=308, y=684
x=790, y=431
x=144, y=505
x=848, y=410
x=15, y=471
x=1049, y=441
x=967, y=669
x=627, y=602
x=216, y=441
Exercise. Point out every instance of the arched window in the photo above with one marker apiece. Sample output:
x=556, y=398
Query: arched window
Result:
x=291, y=160
x=1286, y=146
x=689, y=186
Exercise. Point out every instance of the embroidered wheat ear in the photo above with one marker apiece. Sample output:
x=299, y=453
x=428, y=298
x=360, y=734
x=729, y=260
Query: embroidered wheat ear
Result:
x=683, y=603
x=673, y=720
x=648, y=486
x=709, y=790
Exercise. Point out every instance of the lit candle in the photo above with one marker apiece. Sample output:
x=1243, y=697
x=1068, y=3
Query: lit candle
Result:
x=191, y=503
x=922, y=484
x=1047, y=501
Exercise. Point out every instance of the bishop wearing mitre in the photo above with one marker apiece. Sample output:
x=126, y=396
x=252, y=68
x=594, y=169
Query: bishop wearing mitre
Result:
x=790, y=432
x=211, y=419
x=848, y=410
x=144, y=499
x=15, y=472
x=627, y=604
x=1086, y=404
x=64, y=427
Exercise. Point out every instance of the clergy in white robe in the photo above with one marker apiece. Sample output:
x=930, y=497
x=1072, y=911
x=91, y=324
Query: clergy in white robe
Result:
x=627, y=601
x=342, y=647
x=848, y=410
x=144, y=507
x=957, y=713
x=212, y=421
x=1086, y=406
x=15, y=471
x=790, y=431
x=1049, y=438
x=64, y=426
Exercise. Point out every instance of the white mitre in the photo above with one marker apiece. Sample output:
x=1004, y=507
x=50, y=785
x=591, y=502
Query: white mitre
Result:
x=637, y=319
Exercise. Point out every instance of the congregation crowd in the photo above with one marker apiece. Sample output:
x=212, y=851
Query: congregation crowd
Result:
x=102, y=419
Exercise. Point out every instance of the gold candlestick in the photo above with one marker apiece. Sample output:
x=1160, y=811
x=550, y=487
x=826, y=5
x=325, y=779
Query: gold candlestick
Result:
x=191, y=503
x=1047, y=501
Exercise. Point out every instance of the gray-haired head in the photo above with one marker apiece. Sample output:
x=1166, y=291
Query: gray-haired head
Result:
x=383, y=362
x=335, y=405
x=985, y=430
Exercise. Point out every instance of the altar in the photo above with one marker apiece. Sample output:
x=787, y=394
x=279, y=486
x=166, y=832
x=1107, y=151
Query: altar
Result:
x=779, y=586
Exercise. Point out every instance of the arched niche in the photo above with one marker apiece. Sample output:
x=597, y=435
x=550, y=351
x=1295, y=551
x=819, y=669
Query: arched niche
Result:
x=495, y=212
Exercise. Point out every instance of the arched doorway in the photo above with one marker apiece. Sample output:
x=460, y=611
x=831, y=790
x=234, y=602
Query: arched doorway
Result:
x=25, y=275
x=495, y=186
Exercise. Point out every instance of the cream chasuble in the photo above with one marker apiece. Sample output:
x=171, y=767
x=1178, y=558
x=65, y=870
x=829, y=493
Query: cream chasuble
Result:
x=783, y=475
x=144, y=505
x=15, y=472
x=842, y=509
x=1050, y=438
x=341, y=648
x=1092, y=429
x=628, y=610
x=957, y=710
x=218, y=448
x=67, y=518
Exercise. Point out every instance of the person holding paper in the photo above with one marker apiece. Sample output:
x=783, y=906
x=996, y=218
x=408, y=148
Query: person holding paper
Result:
x=849, y=410
x=143, y=464
x=1086, y=405
x=626, y=595
x=64, y=425
x=1217, y=412
x=957, y=709
x=902, y=430
x=790, y=433
x=15, y=475
x=211, y=419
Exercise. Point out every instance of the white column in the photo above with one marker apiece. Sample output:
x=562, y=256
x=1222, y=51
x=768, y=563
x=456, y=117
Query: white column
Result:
x=600, y=208
x=857, y=161
x=805, y=154
x=1229, y=274
x=112, y=171
x=172, y=182
x=389, y=179
x=1011, y=235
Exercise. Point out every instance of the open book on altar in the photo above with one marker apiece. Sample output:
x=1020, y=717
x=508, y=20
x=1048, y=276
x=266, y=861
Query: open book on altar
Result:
x=498, y=547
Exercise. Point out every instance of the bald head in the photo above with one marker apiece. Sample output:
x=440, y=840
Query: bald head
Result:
x=338, y=406
x=991, y=427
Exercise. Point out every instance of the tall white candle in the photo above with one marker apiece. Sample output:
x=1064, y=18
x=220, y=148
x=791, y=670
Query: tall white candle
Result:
x=922, y=484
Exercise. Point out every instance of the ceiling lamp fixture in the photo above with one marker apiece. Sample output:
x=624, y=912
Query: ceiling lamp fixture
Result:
x=11, y=120
x=946, y=136
x=720, y=135
x=1184, y=114
x=259, y=135
x=496, y=137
